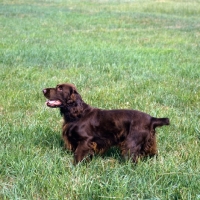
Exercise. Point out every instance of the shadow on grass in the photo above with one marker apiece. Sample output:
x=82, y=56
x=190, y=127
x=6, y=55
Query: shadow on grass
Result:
x=49, y=139
x=113, y=153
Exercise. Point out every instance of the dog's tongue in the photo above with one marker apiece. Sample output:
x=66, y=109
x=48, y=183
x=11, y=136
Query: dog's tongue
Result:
x=53, y=103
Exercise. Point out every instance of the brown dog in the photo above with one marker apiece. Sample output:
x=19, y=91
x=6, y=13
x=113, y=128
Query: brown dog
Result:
x=88, y=130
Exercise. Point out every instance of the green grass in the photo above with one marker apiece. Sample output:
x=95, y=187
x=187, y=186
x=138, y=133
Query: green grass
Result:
x=120, y=54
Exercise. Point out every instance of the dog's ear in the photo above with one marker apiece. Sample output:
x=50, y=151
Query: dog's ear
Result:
x=74, y=96
x=73, y=90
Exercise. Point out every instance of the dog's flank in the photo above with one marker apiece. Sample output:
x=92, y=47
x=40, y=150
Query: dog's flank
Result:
x=88, y=130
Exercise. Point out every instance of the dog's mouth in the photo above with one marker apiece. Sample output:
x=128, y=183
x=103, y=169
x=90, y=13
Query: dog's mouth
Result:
x=53, y=103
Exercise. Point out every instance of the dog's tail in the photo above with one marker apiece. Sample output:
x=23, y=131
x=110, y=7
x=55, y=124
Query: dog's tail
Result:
x=159, y=122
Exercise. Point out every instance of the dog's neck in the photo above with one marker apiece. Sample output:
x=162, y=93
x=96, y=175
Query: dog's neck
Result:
x=74, y=111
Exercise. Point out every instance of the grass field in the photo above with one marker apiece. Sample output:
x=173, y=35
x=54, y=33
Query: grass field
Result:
x=132, y=54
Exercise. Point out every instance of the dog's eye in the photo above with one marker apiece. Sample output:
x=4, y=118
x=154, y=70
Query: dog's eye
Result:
x=59, y=88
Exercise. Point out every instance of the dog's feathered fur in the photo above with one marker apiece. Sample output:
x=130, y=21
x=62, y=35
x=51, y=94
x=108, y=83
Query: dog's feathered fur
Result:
x=88, y=130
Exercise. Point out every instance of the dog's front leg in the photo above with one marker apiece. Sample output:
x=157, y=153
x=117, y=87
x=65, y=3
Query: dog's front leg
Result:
x=82, y=151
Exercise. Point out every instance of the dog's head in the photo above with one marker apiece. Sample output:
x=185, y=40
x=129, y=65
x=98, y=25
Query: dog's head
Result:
x=61, y=96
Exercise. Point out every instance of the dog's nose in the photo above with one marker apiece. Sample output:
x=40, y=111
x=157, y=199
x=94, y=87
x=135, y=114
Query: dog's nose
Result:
x=44, y=91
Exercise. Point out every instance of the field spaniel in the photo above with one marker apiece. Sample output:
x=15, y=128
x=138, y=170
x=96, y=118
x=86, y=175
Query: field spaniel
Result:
x=88, y=130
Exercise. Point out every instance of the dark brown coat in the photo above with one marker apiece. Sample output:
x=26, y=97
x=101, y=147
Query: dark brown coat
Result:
x=88, y=130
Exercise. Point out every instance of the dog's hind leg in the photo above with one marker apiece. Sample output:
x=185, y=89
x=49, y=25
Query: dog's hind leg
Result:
x=130, y=150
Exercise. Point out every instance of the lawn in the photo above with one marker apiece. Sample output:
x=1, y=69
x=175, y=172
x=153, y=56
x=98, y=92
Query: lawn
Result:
x=133, y=54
